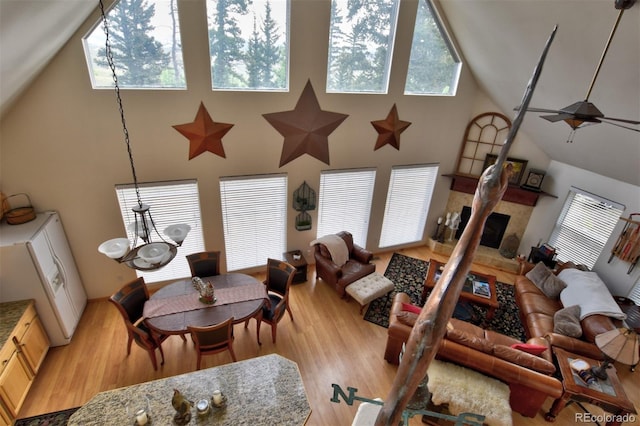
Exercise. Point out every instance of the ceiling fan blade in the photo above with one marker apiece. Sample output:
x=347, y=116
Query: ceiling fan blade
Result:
x=531, y=109
x=622, y=120
x=620, y=125
x=557, y=117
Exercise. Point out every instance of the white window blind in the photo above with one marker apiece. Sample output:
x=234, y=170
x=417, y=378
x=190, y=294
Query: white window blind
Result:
x=634, y=294
x=584, y=226
x=345, y=202
x=170, y=202
x=254, y=218
x=408, y=198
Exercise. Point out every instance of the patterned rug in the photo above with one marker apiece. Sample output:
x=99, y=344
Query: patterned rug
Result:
x=57, y=418
x=408, y=274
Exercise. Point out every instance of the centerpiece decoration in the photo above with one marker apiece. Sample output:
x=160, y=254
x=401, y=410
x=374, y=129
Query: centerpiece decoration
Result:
x=205, y=289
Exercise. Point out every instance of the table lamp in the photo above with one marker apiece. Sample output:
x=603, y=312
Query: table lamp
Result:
x=619, y=345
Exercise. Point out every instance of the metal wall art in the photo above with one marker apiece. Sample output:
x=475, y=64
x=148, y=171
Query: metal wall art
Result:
x=304, y=199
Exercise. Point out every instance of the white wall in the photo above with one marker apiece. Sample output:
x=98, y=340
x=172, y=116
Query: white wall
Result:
x=560, y=177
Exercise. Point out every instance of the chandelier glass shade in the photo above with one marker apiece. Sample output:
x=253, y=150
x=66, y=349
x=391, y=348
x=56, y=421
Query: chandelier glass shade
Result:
x=148, y=250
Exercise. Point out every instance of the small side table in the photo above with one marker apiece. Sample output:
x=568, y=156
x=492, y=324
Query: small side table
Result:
x=296, y=259
x=608, y=395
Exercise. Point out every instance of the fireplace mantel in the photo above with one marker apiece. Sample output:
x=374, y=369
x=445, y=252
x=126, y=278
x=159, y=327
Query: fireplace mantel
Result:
x=514, y=194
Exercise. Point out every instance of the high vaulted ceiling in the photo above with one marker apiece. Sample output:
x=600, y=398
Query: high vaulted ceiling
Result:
x=500, y=41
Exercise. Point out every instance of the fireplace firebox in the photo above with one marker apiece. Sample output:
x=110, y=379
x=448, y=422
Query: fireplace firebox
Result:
x=494, y=228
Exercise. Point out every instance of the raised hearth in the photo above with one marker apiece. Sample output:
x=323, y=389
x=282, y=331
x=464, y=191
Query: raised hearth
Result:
x=484, y=256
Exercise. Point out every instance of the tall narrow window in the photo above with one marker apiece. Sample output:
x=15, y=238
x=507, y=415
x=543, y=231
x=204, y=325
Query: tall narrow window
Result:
x=254, y=219
x=171, y=202
x=434, y=65
x=144, y=36
x=249, y=44
x=345, y=203
x=361, y=45
x=408, y=200
x=584, y=226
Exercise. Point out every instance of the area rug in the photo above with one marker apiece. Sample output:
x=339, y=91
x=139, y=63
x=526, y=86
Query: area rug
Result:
x=57, y=418
x=408, y=275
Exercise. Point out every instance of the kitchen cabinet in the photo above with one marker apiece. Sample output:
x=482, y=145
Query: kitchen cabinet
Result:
x=24, y=347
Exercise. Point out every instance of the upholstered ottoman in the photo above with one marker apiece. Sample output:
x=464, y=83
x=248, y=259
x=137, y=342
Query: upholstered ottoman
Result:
x=369, y=288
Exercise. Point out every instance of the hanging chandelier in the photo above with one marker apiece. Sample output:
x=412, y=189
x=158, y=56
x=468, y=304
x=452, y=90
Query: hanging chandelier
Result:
x=142, y=253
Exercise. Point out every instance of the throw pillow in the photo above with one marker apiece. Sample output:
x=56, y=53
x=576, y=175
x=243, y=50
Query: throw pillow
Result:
x=566, y=321
x=411, y=308
x=530, y=348
x=407, y=318
x=546, y=281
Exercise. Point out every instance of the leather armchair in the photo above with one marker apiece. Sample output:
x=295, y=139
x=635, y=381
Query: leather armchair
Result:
x=340, y=277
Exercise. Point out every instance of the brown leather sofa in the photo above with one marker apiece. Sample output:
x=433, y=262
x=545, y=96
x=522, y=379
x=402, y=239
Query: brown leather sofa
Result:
x=530, y=377
x=537, y=311
x=340, y=277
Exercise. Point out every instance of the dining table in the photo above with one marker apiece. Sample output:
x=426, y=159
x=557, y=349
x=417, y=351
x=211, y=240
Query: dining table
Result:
x=177, y=305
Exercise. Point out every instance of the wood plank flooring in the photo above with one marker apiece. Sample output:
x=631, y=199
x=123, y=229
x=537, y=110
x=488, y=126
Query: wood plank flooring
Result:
x=328, y=339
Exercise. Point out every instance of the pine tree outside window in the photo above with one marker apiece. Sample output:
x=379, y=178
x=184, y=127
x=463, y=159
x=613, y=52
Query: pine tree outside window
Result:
x=361, y=41
x=434, y=65
x=249, y=44
x=144, y=36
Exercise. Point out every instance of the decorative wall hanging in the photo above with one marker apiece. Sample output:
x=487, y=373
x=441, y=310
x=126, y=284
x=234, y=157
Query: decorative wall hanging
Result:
x=484, y=135
x=306, y=129
x=534, y=179
x=304, y=199
x=389, y=129
x=204, y=134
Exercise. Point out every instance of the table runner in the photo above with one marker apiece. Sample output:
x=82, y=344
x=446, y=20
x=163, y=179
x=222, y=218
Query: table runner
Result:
x=190, y=302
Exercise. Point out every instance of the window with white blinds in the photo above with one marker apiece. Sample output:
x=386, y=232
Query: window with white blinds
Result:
x=408, y=198
x=345, y=202
x=254, y=219
x=584, y=226
x=170, y=202
x=634, y=294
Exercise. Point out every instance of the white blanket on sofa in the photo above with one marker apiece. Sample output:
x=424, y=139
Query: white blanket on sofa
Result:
x=587, y=290
x=336, y=246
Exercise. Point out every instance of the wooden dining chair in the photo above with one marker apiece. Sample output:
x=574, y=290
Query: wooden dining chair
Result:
x=213, y=339
x=279, y=278
x=204, y=264
x=130, y=303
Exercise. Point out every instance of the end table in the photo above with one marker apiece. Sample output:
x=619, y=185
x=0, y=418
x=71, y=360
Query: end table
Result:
x=608, y=394
x=296, y=259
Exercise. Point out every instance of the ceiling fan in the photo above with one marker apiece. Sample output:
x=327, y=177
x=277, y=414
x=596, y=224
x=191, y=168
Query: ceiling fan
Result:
x=584, y=112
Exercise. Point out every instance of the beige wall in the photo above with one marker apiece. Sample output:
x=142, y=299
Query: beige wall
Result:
x=62, y=141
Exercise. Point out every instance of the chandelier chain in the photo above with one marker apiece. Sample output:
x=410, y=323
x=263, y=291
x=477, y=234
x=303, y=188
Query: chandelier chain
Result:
x=112, y=65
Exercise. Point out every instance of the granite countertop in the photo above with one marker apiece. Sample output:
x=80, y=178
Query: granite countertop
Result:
x=267, y=390
x=10, y=314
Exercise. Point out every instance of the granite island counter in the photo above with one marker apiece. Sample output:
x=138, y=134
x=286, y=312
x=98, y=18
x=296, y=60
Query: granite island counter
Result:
x=267, y=390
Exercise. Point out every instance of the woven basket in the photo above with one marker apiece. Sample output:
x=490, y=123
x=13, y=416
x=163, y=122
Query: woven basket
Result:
x=19, y=215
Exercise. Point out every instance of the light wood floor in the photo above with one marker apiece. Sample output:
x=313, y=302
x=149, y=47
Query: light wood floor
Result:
x=328, y=339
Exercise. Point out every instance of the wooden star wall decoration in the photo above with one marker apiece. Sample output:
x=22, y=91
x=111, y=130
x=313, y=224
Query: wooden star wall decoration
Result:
x=204, y=134
x=389, y=129
x=306, y=129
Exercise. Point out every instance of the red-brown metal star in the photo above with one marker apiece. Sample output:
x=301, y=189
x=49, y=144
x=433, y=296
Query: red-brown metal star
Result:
x=389, y=129
x=306, y=129
x=204, y=134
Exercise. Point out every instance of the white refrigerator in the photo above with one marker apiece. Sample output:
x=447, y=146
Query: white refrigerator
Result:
x=36, y=263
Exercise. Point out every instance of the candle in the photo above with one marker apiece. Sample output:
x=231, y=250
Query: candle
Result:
x=141, y=417
x=217, y=397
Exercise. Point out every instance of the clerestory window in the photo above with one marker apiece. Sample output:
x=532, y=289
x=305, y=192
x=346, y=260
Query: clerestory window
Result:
x=144, y=36
x=249, y=44
x=434, y=65
x=361, y=41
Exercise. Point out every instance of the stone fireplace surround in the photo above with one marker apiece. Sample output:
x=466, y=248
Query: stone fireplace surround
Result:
x=520, y=215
